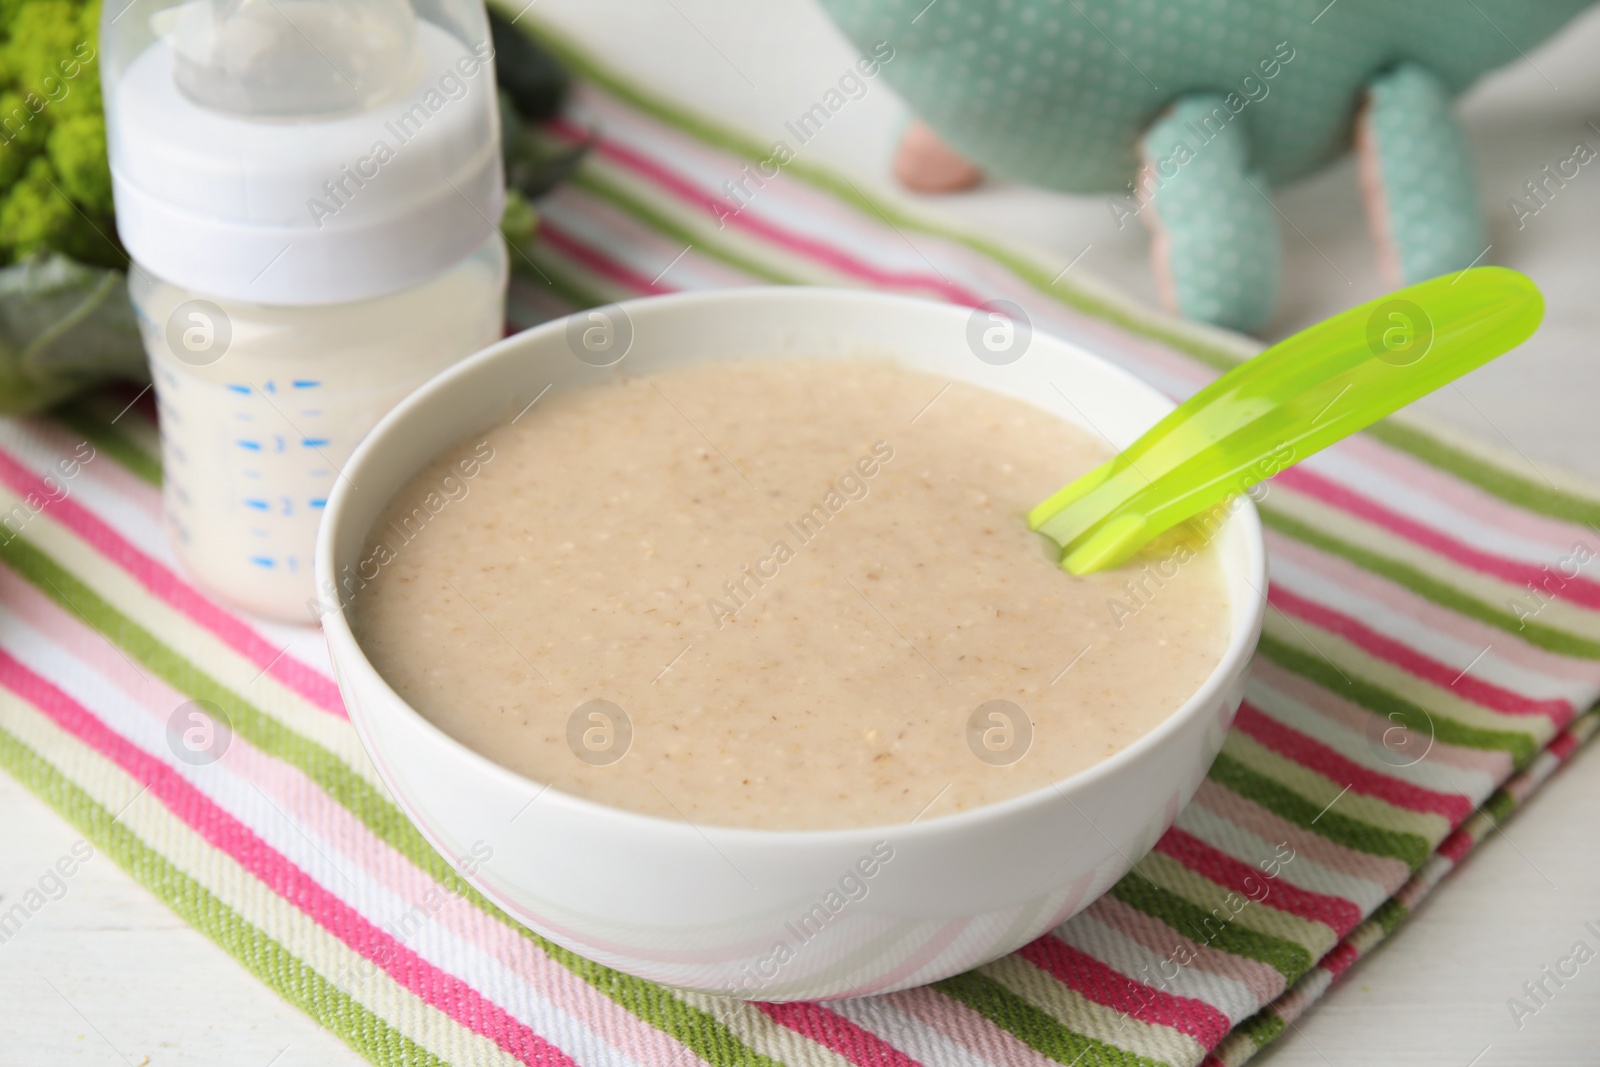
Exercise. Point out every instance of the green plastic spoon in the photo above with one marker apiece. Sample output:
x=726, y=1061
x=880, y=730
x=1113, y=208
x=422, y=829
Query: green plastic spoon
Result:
x=1296, y=398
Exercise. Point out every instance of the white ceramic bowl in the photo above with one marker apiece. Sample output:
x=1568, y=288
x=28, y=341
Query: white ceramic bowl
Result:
x=774, y=914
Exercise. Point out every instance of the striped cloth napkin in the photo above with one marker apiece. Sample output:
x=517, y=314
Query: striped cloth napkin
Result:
x=1430, y=657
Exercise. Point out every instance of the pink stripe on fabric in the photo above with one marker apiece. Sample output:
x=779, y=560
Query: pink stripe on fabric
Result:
x=1320, y=759
x=1152, y=358
x=592, y=221
x=70, y=633
x=1489, y=764
x=598, y=262
x=859, y=1046
x=54, y=438
x=1334, y=912
x=1386, y=873
x=1443, y=675
x=315, y=687
x=1455, y=847
x=1577, y=590
x=828, y=255
x=1095, y=981
x=958, y=1023
x=1339, y=959
x=1563, y=746
x=1424, y=613
x=445, y=991
x=1461, y=495
x=292, y=792
x=1263, y=980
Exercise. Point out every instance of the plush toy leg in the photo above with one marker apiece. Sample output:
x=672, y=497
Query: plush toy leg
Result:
x=1417, y=177
x=925, y=164
x=1216, y=249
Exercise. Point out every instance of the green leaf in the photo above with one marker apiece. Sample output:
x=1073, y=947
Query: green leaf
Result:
x=63, y=327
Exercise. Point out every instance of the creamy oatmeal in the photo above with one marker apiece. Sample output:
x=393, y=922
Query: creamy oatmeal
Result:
x=779, y=593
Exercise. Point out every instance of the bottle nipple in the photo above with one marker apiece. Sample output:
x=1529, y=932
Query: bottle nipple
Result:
x=295, y=58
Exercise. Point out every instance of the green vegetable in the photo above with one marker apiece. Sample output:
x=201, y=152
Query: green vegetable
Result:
x=65, y=323
x=519, y=221
x=534, y=79
x=63, y=328
x=55, y=186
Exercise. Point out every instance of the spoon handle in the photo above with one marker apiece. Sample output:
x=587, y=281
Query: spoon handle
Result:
x=1292, y=400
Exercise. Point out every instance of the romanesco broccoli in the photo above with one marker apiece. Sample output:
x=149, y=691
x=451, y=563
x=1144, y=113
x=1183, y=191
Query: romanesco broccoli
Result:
x=55, y=187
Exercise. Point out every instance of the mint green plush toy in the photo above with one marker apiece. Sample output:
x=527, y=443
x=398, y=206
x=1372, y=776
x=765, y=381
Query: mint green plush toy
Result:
x=1189, y=113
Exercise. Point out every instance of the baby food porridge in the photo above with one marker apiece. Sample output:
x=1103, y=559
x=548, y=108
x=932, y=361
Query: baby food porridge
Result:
x=780, y=593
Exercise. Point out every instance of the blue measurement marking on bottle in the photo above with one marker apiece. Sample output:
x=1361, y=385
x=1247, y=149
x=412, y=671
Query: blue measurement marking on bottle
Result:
x=278, y=513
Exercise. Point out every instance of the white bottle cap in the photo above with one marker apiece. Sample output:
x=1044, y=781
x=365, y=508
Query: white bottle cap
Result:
x=303, y=151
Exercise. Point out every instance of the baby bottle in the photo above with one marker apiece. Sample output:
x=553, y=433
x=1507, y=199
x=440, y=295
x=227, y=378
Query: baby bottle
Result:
x=309, y=191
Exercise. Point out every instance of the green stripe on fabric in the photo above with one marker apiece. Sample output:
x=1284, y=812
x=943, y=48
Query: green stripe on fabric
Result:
x=748, y=148
x=590, y=180
x=352, y=1022
x=1513, y=488
x=699, y=1030
x=1390, y=914
x=647, y=1001
x=1035, y=1027
x=342, y=784
x=651, y=1003
x=1191, y=920
x=1264, y=1026
x=332, y=774
x=106, y=439
x=1499, y=806
x=534, y=264
x=1541, y=636
x=1309, y=665
x=1335, y=826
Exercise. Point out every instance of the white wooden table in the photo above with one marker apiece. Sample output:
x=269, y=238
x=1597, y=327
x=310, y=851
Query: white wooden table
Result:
x=107, y=975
